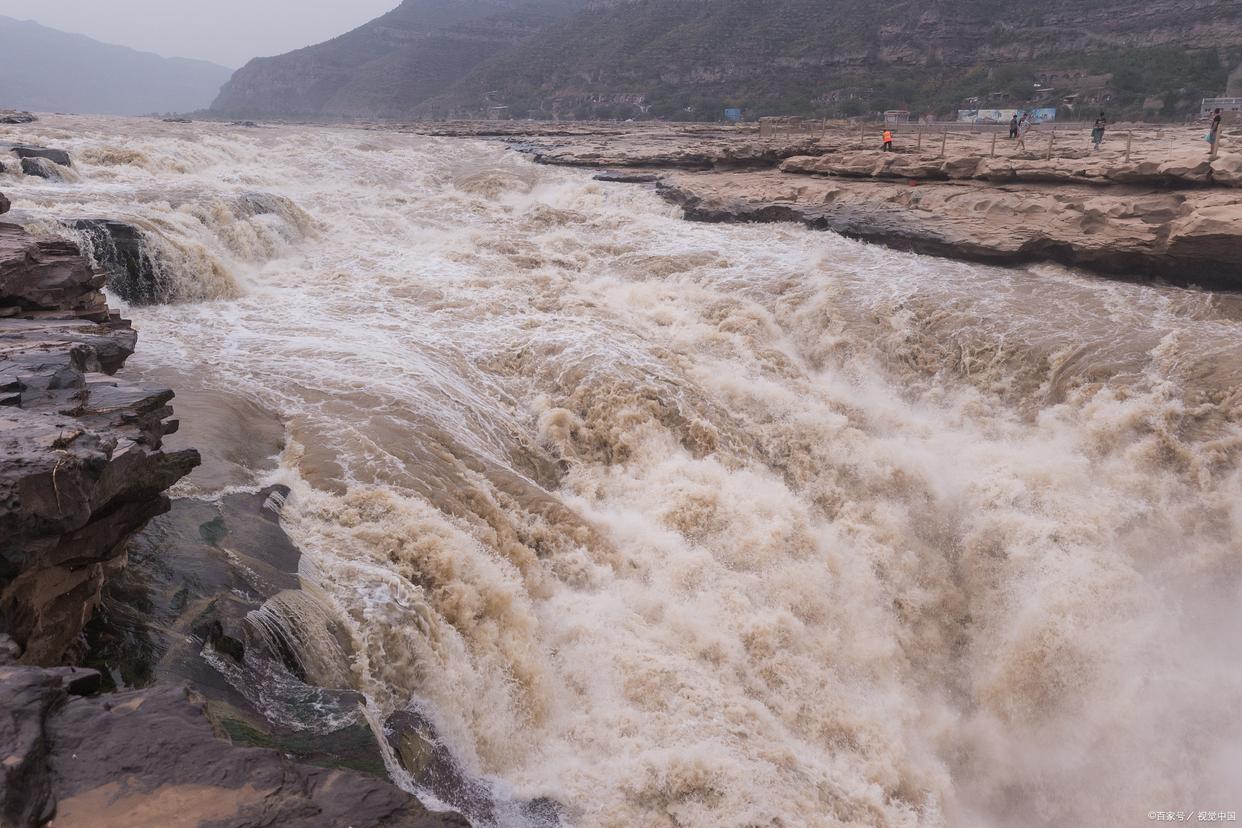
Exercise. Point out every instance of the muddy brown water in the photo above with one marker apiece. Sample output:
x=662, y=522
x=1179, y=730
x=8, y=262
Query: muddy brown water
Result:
x=704, y=525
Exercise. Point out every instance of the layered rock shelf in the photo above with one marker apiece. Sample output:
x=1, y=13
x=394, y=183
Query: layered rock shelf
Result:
x=81, y=464
x=1153, y=203
x=1193, y=237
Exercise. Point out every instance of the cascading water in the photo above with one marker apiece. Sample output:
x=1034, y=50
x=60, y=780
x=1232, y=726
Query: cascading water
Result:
x=696, y=525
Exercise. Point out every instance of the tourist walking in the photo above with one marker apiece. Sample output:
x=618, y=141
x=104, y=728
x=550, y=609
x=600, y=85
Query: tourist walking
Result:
x=888, y=140
x=1214, y=132
x=1097, y=134
x=1013, y=127
x=1024, y=126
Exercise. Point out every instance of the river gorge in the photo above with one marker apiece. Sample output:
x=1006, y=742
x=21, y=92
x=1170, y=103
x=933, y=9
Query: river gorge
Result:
x=686, y=524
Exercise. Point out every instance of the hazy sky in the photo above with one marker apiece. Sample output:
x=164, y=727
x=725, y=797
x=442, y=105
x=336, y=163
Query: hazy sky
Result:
x=225, y=31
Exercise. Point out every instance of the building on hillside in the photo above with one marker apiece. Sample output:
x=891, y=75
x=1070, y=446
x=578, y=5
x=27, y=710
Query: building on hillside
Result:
x=1041, y=115
x=1210, y=105
x=895, y=117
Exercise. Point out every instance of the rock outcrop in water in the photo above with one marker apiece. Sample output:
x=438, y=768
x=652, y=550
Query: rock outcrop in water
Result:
x=40, y=162
x=81, y=465
x=121, y=250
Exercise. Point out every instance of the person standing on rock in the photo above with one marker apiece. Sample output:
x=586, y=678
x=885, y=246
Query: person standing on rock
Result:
x=1097, y=134
x=1013, y=127
x=888, y=140
x=1214, y=132
x=1024, y=126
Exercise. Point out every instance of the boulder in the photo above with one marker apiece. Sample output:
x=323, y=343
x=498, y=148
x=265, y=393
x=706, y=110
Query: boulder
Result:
x=12, y=116
x=56, y=156
x=42, y=168
x=5, y=204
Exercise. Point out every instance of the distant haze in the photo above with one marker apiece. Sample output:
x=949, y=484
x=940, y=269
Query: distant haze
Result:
x=228, y=32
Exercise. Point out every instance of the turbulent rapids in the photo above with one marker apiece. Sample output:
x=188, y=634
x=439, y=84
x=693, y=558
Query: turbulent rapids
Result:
x=695, y=525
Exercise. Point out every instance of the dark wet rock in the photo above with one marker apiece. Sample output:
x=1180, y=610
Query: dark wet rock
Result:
x=177, y=120
x=56, y=156
x=5, y=204
x=245, y=123
x=152, y=757
x=121, y=250
x=616, y=177
x=418, y=748
x=42, y=168
x=211, y=597
x=11, y=116
x=81, y=465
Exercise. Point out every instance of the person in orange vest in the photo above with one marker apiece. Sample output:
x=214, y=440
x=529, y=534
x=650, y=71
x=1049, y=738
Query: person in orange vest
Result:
x=888, y=140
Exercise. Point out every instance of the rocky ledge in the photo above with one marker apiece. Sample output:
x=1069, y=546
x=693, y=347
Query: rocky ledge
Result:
x=151, y=757
x=1152, y=204
x=1191, y=237
x=81, y=465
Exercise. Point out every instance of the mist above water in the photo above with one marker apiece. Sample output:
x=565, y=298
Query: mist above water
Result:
x=699, y=525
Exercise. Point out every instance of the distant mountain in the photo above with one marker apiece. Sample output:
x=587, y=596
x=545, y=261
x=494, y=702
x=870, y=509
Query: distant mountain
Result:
x=387, y=67
x=46, y=70
x=691, y=58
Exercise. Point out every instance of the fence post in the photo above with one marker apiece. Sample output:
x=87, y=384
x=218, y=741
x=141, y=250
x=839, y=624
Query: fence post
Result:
x=993, y=143
x=1129, y=142
x=919, y=144
x=1051, y=138
x=944, y=141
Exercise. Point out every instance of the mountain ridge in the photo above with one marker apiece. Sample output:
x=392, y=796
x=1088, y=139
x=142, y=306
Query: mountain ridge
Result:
x=692, y=58
x=49, y=70
x=386, y=67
